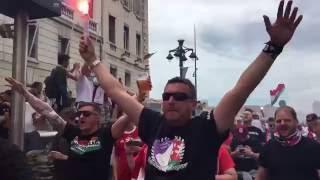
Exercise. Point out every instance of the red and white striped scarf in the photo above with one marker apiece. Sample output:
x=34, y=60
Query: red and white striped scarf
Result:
x=290, y=140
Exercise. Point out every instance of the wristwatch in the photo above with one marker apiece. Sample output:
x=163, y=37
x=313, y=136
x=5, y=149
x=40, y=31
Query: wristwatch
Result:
x=94, y=63
x=273, y=50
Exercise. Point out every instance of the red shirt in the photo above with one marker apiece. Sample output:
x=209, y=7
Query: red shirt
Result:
x=228, y=140
x=123, y=170
x=225, y=160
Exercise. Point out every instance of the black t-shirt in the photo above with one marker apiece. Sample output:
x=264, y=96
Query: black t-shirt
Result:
x=255, y=140
x=89, y=156
x=4, y=132
x=174, y=153
x=299, y=162
x=60, y=76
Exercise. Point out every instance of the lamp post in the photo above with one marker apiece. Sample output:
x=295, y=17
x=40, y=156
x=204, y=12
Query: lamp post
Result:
x=180, y=52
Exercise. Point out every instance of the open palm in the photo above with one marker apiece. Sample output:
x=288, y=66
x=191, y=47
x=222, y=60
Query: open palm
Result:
x=285, y=25
x=15, y=85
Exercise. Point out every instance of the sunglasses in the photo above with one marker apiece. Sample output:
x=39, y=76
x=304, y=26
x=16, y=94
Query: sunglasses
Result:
x=178, y=96
x=85, y=113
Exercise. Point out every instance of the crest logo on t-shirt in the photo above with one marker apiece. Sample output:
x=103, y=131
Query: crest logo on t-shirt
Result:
x=84, y=146
x=167, y=155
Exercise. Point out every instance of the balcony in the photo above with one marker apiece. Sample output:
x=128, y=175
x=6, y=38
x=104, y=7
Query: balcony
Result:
x=67, y=11
x=93, y=26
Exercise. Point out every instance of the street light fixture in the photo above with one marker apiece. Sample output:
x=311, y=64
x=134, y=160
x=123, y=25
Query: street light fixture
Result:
x=193, y=55
x=180, y=52
x=169, y=57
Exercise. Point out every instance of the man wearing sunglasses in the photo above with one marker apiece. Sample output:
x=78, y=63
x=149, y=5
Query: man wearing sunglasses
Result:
x=179, y=146
x=90, y=145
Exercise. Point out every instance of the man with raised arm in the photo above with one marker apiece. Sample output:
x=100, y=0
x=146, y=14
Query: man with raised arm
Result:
x=90, y=144
x=179, y=146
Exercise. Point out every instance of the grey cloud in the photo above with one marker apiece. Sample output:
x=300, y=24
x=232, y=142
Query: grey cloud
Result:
x=249, y=37
x=245, y=39
x=236, y=37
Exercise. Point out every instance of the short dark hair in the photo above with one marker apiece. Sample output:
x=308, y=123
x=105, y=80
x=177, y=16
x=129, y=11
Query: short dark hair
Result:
x=187, y=82
x=290, y=109
x=95, y=106
x=36, y=85
x=270, y=119
x=311, y=117
x=249, y=110
x=62, y=58
x=67, y=111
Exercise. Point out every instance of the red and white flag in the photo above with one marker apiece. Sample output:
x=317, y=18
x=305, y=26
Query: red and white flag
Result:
x=275, y=93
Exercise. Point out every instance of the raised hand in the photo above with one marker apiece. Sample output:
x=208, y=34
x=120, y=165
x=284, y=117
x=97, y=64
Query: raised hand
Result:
x=285, y=25
x=16, y=85
x=86, y=50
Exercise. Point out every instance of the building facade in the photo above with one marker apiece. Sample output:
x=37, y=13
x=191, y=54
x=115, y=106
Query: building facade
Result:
x=118, y=28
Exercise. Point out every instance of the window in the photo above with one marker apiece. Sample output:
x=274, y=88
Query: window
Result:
x=127, y=79
x=138, y=44
x=113, y=71
x=63, y=45
x=126, y=37
x=112, y=29
x=33, y=40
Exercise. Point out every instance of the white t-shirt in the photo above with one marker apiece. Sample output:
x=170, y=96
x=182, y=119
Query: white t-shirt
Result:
x=85, y=88
x=257, y=123
x=28, y=121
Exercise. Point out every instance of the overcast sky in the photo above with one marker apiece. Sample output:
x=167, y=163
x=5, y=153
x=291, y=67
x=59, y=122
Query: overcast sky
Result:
x=230, y=34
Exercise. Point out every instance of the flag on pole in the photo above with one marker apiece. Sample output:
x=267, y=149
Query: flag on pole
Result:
x=275, y=93
x=184, y=72
x=147, y=56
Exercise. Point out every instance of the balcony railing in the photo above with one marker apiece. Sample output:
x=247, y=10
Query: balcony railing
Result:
x=67, y=11
x=93, y=26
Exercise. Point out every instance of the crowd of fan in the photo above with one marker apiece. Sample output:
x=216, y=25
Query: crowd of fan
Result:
x=173, y=145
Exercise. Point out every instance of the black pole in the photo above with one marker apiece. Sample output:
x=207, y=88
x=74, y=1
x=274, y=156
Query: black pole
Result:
x=195, y=77
x=181, y=66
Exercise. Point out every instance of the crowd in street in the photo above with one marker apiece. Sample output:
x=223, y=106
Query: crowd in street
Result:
x=139, y=143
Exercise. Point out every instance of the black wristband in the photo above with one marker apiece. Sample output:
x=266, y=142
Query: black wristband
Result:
x=273, y=50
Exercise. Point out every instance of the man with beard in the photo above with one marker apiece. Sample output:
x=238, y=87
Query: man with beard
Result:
x=181, y=146
x=289, y=155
